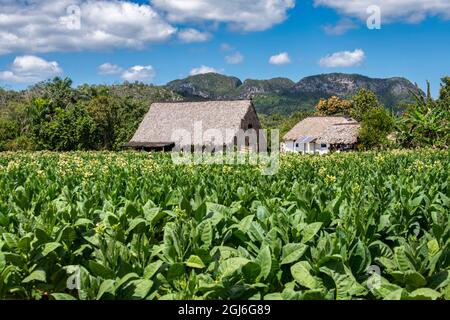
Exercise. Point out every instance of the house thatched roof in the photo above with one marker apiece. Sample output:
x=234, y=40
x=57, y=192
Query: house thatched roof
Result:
x=314, y=127
x=340, y=134
x=163, y=119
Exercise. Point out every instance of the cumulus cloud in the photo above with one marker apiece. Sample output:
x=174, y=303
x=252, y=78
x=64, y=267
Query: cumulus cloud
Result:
x=343, y=59
x=243, y=15
x=139, y=73
x=342, y=27
x=76, y=25
x=405, y=10
x=30, y=69
x=109, y=69
x=280, y=59
x=204, y=69
x=193, y=35
x=235, y=58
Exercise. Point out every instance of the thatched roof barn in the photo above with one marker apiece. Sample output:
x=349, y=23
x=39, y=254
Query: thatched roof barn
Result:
x=163, y=120
x=322, y=134
x=340, y=134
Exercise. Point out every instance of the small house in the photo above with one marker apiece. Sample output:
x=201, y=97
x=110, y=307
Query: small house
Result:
x=198, y=126
x=322, y=135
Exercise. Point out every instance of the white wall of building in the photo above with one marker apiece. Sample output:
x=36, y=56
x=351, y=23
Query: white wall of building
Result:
x=311, y=148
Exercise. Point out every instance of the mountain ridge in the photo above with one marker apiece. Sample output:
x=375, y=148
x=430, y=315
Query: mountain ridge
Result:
x=284, y=96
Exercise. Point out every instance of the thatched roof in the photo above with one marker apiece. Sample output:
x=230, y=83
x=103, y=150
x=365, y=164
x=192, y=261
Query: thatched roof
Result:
x=340, y=134
x=163, y=119
x=314, y=127
x=331, y=130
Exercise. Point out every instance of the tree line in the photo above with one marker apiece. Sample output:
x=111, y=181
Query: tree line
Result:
x=52, y=115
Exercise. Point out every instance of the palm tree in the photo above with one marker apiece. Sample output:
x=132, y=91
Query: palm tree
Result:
x=425, y=123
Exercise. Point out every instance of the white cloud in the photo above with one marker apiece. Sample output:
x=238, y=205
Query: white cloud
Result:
x=46, y=26
x=203, y=70
x=226, y=47
x=235, y=58
x=280, y=59
x=342, y=27
x=193, y=35
x=139, y=73
x=30, y=69
x=243, y=15
x=391, y=11
x=109, y=69
x=343, y=59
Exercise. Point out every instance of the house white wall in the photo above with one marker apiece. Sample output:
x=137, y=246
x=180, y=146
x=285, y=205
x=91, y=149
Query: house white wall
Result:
x=311, y=148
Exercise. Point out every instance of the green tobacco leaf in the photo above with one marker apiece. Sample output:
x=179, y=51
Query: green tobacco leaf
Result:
x=42, y=236
x=245, y=223
x=137, y=225
x=15, y=259
x=107, y=288
x=142, y=288
x=152, y=215
x=447, y=292
x=256, y=232
x=125, y=279
x=2, y=261
x=68, y=235
x=50, y=247
x=262, y=213
x=402, y=259
x=398, y=294
x=83, y=222
x=424, y=294
x=206, y=232
x=273, y=296
x=292, y=252
x=231, y=265
x=195, y=262
x=62, y=296
x=251, y=271
x=152, y=269
x=264, y=260
x=414, y=279
x=100, y=270
x=310, y=231
x=345, y=283
x=38, y=275
x=438, y=280
x=414, y=203
x=433, y=247
x=360, y=258
x=300, y=273
x=175, y=271
x=381, y=288
x=10, y=240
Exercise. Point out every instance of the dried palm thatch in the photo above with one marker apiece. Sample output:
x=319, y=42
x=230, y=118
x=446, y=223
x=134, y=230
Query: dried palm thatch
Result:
x=164, y=120
x=314, y=127
x=340, y=134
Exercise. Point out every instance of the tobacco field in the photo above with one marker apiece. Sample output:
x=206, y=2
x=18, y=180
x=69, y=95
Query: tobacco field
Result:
x=100, y=225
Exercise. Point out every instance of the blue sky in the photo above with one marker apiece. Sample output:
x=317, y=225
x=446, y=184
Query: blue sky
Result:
x=162, y=40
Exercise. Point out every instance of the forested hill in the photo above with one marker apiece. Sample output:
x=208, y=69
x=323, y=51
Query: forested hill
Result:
x=284, y=96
